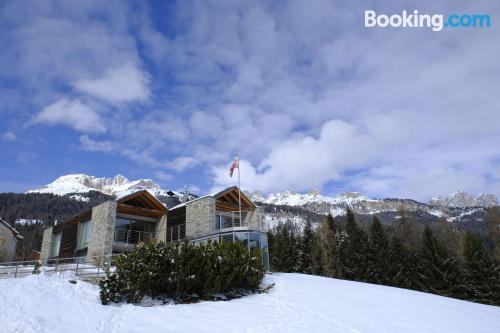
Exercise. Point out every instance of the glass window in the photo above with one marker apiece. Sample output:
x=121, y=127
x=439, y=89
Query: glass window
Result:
x=241, y=237
x=122, y=223
x=84, y=235
x=265, y=250
x=227, y=237
x=56, y=244
x=255, y=240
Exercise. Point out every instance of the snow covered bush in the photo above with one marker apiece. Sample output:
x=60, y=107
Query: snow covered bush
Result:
x=37, y=268
x=180, y=270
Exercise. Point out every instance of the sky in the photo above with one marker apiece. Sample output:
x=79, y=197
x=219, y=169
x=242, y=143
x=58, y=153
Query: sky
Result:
x=308, y=97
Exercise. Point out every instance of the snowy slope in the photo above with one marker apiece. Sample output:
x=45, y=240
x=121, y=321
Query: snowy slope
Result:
x=118, y=186
x=297, y=303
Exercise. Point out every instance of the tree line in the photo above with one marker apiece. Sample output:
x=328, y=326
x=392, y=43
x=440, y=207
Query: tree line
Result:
x=438, y=259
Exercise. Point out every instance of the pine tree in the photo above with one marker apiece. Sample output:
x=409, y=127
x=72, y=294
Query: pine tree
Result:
x=378, y=266
x=439, y=271
x=285, y=247
x=353, y=254
x=403, y=265
x=482, y=273
x=307, y=242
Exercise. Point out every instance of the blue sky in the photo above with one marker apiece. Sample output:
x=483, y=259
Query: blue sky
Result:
x=308, y=96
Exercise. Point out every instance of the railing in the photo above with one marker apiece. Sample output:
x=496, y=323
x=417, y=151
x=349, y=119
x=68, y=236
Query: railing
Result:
x=90, y=269
x=176, y=232
x=224, y=220
x=132, y=236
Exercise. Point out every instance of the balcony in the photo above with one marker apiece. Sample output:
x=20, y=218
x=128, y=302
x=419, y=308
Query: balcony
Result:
x=125, y=239
x=224, y=220
x=176, y=232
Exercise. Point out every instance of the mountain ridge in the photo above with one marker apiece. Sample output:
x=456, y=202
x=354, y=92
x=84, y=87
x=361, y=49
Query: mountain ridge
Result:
x=120, y=186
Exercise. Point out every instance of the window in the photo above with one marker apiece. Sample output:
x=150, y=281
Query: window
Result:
x=241, y=237
x=56, y=244
x=254, y=240
x=84, y=235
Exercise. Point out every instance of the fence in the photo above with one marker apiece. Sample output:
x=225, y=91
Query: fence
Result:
x=90, y=269
x=176, y=232
x=133, y=236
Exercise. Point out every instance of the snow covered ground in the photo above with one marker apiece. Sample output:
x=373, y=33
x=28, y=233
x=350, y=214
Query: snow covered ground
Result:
x=298, y=303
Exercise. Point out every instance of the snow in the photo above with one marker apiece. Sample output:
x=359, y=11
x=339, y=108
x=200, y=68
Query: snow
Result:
x=27, y=221
x=296, y=199
x=81, y=184
x=297, y=303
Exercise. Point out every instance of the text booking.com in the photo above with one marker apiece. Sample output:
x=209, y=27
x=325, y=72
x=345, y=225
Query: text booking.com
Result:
x=436, y=22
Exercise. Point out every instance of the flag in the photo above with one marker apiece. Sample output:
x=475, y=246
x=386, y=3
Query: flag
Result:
x=234, y=165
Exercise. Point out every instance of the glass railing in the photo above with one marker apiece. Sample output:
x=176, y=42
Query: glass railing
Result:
x=133, y=236
x=176, y=232
x=223, y=220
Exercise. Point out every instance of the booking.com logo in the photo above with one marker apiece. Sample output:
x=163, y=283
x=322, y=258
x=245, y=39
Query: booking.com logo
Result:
x=435, y=21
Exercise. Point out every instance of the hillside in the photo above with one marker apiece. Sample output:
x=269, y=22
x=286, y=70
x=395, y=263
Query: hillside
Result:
x=297, y=303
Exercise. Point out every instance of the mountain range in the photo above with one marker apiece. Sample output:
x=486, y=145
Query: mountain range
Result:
x=459, y=207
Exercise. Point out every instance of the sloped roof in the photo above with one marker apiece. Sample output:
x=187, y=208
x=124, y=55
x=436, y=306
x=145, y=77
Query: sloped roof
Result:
x=142, y=200
x=230, y=191
x=14, y=232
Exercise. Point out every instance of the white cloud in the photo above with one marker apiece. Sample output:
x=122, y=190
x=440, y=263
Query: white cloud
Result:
x=162, y=176
x=88, y=144
x=72, y=113
x=126, y=83
x=303, y=91
x=182, y=163
x=8, y=136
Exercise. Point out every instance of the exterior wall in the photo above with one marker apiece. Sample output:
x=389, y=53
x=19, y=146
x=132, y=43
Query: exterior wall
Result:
x=7, y=244
x=46, y=244
x=161, y=229
x=103, y=226
x=199, y=216
x=253, y=220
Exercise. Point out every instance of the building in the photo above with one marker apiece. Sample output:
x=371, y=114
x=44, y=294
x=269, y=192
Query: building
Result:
x=115, y=226
x=8, y=241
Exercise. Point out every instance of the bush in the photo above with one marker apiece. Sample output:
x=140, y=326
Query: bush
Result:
x=180, y=270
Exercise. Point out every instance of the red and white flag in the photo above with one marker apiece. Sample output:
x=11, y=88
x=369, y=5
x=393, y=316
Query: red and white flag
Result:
x=234, y=165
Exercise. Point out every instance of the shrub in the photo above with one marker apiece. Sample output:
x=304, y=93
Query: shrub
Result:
x=180, y=270
x=37, y=268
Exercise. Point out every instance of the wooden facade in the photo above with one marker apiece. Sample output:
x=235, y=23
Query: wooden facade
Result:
x=69, y=229
x=228, y=201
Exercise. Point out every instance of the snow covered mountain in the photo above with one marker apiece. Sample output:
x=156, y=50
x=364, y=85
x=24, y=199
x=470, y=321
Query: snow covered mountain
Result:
x=459, y=207
x=463, y=199
x=118, y=186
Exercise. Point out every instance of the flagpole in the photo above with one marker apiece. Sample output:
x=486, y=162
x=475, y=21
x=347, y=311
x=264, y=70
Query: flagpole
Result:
x=239, y=187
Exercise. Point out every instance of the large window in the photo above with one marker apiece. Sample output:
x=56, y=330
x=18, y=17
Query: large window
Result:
x=133, y=231
x=56, y=244
x=84, y=235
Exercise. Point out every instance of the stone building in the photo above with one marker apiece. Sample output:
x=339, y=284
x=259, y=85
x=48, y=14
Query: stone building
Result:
x=8, y=240
x=115, y=226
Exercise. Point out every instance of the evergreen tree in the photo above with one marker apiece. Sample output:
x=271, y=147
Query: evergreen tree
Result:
x=439, y=272
x=307, y=243
x=378, y=255
x=482, y=273
x=402, y=265
x=353, y=250
x=285, y=248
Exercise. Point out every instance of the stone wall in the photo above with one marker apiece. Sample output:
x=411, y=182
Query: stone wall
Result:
x=161, y=229
x=103, y=227
x=7, y=244
x=46, y=244
x=253, y=220
x=199, y=217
